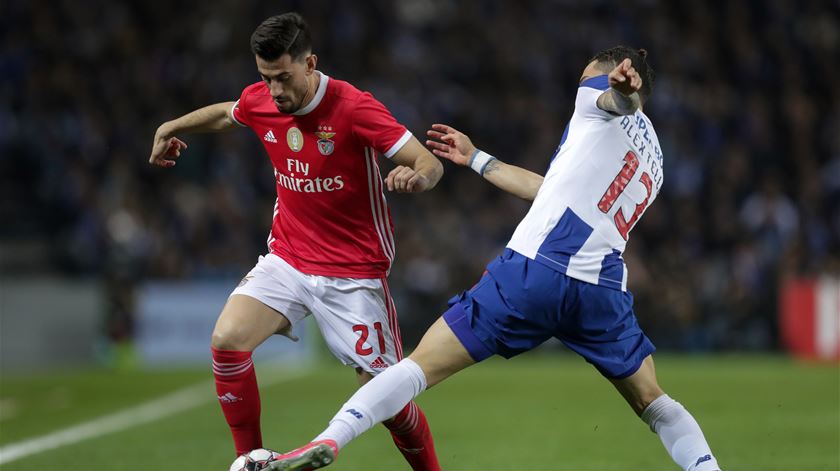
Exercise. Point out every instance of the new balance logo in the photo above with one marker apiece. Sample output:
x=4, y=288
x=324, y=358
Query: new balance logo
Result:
x=229, y=398
x=354, y=413
x=269, y=136
x=703, y=459
x=379, y=364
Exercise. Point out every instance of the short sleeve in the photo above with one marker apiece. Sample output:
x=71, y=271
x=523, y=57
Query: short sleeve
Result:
x=374, y=125
x=586, y=103
x=238, y=111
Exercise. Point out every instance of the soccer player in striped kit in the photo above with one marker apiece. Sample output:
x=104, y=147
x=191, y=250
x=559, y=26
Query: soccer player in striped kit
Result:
x=561, y=274
x=331, y=243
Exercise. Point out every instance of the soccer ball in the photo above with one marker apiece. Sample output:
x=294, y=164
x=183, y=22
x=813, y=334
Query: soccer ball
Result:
x=254, y=460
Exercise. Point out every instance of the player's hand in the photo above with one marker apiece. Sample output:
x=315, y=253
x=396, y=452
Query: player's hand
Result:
x=624, y=78
x=405, y=180
x=450, y=144
x=165, y=150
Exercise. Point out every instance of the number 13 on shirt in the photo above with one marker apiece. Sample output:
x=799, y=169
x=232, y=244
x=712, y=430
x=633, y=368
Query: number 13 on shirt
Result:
x=617, y=187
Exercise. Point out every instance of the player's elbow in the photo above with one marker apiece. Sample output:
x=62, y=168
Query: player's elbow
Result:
x=626, y=111
x=614, y=102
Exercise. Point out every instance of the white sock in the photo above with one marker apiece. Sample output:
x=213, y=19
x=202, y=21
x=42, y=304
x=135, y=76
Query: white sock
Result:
x=680, y=434
x=378, y=400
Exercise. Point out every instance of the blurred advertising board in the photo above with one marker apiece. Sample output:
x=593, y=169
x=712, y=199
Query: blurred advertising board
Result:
x=48, y=322
x=809, y=317
x=174, y=322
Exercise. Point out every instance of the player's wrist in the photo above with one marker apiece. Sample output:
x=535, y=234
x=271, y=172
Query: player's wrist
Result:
x=165, y=131
x=479, y=161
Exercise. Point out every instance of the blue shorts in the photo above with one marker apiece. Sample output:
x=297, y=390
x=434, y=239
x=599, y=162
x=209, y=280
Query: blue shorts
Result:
x=519, y=304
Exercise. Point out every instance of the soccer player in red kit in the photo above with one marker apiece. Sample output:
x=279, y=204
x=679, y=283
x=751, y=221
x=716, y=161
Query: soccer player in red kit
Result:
x=331, y=243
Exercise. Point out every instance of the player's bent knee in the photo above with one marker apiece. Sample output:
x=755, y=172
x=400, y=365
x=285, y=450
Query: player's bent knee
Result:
x=639, y=398
x=644, y=400
x=640, y=388
x=223, y=339
x=245, y=323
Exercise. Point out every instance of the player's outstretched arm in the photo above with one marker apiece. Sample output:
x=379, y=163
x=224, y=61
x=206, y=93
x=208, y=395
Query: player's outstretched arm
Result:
x=417, y=170
x=622, y=98
x=450, y=144
x=166, y=148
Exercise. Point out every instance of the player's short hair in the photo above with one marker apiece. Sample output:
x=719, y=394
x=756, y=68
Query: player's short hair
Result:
x=281, y=34
x=610, y=58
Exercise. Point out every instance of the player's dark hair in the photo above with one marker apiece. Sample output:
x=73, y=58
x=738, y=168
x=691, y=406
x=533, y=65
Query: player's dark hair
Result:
x=612, y=57
x=281, y=34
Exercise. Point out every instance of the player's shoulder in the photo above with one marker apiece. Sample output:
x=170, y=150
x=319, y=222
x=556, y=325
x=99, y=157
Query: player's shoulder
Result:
x=346, y=91
x=256, y=89
x=254, y=93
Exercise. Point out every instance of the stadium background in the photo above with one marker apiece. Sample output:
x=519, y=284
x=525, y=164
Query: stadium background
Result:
x=745, y=103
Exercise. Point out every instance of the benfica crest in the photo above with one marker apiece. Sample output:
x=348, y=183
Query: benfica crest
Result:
x=326, y=145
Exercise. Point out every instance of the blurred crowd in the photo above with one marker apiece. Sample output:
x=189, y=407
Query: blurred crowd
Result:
x=747, y=118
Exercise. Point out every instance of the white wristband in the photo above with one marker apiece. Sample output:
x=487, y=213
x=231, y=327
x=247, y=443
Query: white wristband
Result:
x=479, y=161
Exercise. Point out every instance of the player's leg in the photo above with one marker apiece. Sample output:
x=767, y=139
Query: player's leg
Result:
x=599, y=324
x=410, y=432
x=409, y=428
x=243, y=324
x=251, y=315
x=640, y=388
x=679, y=432
x=479, y=324
x=439, y=355
x=382, y=397
x=359, y=323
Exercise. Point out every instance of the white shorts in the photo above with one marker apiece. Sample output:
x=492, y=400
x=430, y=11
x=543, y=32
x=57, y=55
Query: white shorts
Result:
x=356, y=316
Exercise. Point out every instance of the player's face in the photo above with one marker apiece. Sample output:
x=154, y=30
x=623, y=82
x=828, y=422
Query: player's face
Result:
x=289, y=81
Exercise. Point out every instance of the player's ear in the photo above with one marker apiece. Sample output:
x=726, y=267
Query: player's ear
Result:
x=311, y=62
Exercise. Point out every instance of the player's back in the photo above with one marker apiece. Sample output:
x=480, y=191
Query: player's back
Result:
x=606, y=172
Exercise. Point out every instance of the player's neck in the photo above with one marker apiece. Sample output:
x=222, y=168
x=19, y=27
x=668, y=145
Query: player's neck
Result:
x=313, y=82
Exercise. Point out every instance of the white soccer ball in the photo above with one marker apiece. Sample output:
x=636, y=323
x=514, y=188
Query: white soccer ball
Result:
x=254, y=460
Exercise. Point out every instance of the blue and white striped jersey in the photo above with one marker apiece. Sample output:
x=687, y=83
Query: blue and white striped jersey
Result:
x=606, y=172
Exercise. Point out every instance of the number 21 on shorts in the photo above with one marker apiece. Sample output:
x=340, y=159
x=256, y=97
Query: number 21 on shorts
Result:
x=364, y=333
x=617, y=187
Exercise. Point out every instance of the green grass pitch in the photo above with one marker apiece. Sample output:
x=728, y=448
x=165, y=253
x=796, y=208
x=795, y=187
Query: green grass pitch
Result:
x=537, y=412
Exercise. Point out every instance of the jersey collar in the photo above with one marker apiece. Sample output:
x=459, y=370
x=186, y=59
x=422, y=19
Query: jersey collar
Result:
x=598, y=82
x=319, y=95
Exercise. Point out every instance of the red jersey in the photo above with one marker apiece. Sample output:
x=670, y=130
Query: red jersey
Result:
x=331, y=217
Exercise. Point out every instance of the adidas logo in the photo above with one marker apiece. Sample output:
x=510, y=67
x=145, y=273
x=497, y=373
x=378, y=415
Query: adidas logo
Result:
x=379, y=363
x=269, y=136
x=229, y=398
